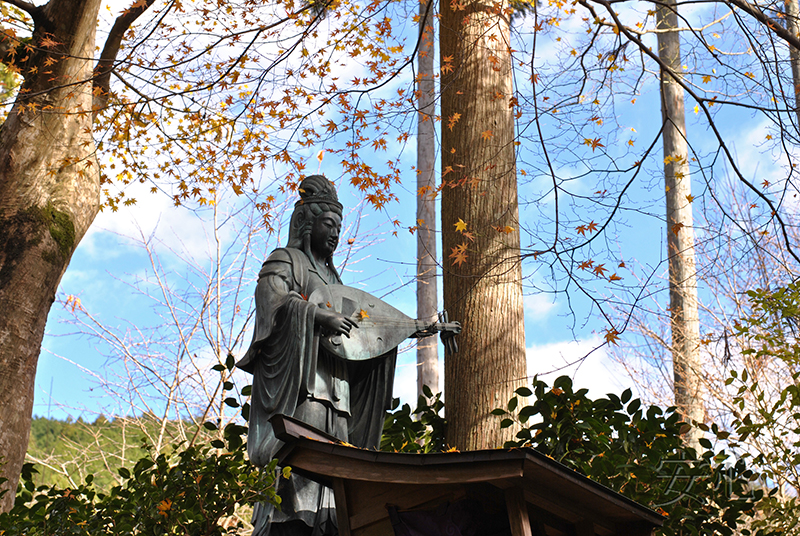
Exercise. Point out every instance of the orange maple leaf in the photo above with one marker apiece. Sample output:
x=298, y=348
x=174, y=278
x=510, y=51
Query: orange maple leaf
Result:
x=486, y=134
x=592, y=227
x=600, y=269
x=581, y=230
x=594, y=144
x=469, y=235
x=447, y=65
x=48, y=42
x=164, y=507
x=614, y=277
x=459, y=258
x=451, y=122
x=611, y=336
x=459, y=254
x=75, y=301
x=586, y=264
x=677, y=227
x=461, y=225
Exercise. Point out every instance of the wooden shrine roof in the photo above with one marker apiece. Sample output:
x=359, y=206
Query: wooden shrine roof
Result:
x=545, y=483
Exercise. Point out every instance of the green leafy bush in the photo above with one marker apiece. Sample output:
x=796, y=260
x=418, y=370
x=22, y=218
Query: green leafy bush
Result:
x=766, y=389
x=616, y=441
x=192, y=491
x=638, y=451
x=420, y=431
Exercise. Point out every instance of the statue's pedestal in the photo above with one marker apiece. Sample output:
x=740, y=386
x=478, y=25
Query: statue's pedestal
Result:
x=537, y=495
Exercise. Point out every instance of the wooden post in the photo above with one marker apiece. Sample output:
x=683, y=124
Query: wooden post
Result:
x=518, y=512
x=342, y=510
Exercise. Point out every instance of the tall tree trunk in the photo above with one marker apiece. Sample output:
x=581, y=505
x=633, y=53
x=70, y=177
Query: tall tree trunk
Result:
x=49, y=195
x=484, y=292
x=793, y=25
x=427, y=349
x=680, y=229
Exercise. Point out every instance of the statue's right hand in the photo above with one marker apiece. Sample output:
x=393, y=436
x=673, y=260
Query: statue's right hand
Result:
x=334, y=323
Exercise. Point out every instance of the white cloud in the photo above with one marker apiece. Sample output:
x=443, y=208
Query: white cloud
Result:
x=405, y=378
x=177, y=227
x=589, y=366
x=538, y=306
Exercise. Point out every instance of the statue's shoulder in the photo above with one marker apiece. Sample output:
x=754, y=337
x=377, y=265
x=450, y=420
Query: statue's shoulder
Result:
x=287, y=255
x=285, y=261
x=279, y=255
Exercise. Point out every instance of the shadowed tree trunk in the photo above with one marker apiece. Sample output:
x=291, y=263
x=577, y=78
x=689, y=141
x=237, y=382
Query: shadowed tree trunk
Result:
x=480, y=221
x=49, y=193
x=427, y=349
x=680, y=230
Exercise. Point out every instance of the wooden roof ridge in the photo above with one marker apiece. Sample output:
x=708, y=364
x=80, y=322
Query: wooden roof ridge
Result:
x=325, y=457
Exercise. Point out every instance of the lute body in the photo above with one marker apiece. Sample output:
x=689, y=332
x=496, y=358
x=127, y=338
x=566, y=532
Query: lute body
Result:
x=381, y=327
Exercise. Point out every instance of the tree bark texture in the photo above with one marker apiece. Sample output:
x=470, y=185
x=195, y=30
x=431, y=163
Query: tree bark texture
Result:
x=680, y=230
x=49, y=195
x=793, y=26
x=484, y=292
x=427, y=295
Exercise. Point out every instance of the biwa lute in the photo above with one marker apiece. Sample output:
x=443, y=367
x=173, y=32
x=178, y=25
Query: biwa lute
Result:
x=381, y=327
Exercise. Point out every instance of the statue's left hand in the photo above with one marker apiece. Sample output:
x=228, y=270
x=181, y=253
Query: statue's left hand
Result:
x=334, y=323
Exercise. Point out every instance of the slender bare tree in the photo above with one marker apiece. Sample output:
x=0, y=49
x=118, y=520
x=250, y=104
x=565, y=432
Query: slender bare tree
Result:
x=427, y=287
x=680, y=227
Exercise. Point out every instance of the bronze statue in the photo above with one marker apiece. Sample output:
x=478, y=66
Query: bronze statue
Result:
x=293, y=376
x=304, y=368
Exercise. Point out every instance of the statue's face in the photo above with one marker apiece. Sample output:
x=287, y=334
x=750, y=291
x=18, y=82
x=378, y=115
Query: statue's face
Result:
x=325, y=234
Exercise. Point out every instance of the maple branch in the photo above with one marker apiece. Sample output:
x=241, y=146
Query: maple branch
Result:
x=9, y=43
x=27, y=7
x=701, y=101
x=8, y=47
x=773, y=25
x=102, y=71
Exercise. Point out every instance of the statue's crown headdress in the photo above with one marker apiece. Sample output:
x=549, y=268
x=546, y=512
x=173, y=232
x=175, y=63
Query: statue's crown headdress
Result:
x=317, y=189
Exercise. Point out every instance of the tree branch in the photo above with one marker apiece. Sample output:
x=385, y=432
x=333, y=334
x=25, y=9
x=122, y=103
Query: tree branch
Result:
x=9, y=42
x=774, y=26
x=27, y=7
x=102, y=71
x=8, y=47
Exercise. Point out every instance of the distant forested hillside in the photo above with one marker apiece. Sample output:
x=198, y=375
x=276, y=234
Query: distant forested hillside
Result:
x=66, y=451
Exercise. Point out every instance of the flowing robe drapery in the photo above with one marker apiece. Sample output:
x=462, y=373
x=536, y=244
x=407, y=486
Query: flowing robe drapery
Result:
x=293, y=376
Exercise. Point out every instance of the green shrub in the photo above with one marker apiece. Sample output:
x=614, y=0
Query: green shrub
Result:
x=192, y=491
